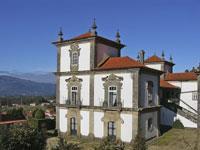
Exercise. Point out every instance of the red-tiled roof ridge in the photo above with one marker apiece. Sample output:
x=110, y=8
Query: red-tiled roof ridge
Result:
x=120, y=63
x=83, y=36
x=153, y=58
x=156, y=58
x=90, y=35
x=12, y=121
x=165, y=84
x=181, y=76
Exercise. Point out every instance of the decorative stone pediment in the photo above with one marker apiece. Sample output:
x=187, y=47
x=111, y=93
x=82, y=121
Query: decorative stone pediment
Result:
x=112, y=78
x=73, y=79
x=74, y=48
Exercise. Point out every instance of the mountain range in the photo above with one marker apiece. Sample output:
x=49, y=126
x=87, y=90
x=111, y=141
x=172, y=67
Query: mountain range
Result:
x=37, y=76
x=27, y=84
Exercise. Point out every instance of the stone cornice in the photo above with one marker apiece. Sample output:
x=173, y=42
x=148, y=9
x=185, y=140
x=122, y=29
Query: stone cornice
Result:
x=96, y=72
x=125, y=109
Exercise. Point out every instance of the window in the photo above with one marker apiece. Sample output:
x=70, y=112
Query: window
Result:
x=74, y=58
x=112, y=96
x=150, y=124
x=74, y=94
x=150, y=92
x=111, y=129
x=194, y=96
x=73, y=126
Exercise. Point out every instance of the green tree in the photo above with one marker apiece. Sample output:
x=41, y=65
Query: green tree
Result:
x=64, y=145
x=178, y=124
x=15, y=114
x=39, y=114
x=139, y=143
x=110, y=144
x=22, y=138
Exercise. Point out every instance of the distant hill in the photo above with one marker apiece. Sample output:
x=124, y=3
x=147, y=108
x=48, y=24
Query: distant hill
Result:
x=39, y=76
x=12, y=86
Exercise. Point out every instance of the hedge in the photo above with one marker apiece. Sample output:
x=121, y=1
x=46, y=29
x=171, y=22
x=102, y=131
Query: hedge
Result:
x=49, y=124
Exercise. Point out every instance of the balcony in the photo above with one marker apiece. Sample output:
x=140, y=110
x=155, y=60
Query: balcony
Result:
x=74, y=104
x=112, y=106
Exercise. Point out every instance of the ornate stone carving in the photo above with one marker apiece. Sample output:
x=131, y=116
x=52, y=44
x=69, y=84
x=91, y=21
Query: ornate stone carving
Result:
x=115, y=117
x=112, y=80
x=74, y=48
x=73, y=112
x=71, y=82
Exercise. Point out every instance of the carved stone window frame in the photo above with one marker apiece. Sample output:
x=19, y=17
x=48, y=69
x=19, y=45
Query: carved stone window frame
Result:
x=74, y=82
x=74, y=113
x=74, y=48
x=113, y=116
x=112, y=80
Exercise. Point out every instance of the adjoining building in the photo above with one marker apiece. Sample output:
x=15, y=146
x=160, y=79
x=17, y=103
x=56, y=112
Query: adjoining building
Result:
x=100, y=93
x=178, y=92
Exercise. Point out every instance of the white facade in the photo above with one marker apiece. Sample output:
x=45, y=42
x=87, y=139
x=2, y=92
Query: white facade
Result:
x=188, y=89
x=155, y=66
x=82, y=106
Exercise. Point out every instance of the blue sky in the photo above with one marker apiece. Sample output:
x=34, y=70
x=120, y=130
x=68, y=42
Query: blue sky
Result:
x=27, y=28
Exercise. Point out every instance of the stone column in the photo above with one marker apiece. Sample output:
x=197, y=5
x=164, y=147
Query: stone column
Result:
x=91, y=123
x=136, y=86
x=58, y=87
x=135, y=123
x=91, y=89
x=198, y=107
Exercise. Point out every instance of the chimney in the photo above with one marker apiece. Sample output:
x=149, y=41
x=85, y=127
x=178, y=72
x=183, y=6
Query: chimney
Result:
x=141, y=56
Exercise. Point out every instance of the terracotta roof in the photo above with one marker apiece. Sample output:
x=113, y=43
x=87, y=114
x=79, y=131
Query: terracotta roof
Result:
x=185, y=76
x=83, y=36
x=90, y=35
x=165, y=84
x=155, y=58
x=12, y=121
x=120, y=63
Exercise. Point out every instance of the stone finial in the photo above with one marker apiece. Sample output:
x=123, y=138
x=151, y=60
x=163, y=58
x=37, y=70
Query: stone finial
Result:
x=193, y=69
x=117, y=37
x=60, y=34
x=142, y=53
x=94, y=27
x=198, y=67
x=171, y=59
x=138, y=57
x=186, y=70
x=163, y=55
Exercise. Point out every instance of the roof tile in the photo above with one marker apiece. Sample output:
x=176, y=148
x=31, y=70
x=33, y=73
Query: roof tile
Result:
x=184, y=76
x=120, y=63
x=165, y=84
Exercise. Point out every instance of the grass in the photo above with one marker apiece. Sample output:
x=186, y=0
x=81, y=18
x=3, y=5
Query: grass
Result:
x=178, y=139
x=174, y=139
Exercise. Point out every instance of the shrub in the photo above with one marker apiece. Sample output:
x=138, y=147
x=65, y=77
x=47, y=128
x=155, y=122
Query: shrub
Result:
x=14, y=114
x=178, y=124
x=64, y=145
x=39, y=114
x=22, y=138
x=139, y=143
x=110, y=144
x=49, y=124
